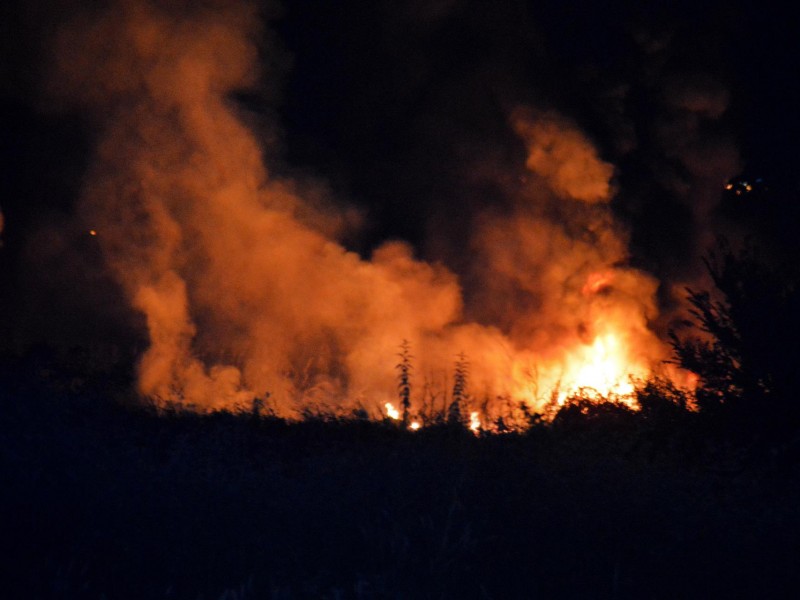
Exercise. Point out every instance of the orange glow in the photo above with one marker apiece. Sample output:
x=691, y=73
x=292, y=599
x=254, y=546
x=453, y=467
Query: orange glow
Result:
x=597, y=282
x=602, y=367
x=243, y=281
x=474, y=422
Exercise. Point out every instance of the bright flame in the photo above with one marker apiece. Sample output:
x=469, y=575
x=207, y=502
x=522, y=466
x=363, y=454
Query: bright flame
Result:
x=474, y=422
x=415, y=425
x=601, y=366
x=392, y=412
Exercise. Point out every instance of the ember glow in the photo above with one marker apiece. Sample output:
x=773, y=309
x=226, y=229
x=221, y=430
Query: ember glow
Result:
x=602, y=366
x=474, y=422
x=243, y=278
x=392, y=412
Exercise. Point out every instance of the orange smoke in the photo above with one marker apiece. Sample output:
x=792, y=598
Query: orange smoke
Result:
x=561, y=154
x=555, y=275
x=597, y=282
x=242, y=280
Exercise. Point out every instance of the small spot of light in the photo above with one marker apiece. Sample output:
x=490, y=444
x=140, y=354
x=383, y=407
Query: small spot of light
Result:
x=93, y=232
x=745, y=197
x=741, y=186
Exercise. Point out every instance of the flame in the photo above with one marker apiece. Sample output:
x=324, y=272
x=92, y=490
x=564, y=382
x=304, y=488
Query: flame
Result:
x=606, y=365
x=392, y=412
x=474, y=422
x=602, y=367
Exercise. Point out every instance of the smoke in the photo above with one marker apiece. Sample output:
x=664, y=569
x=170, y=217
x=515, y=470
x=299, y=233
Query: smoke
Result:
x=688, y=150
x=554, y=269
x=679, y=105
x=244, y=282
x=707, y=157
x=223, y=260
x=559, y=153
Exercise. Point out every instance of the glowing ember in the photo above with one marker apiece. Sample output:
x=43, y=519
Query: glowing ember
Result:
x=392, y=412
x=474, y=422
x=415, y=425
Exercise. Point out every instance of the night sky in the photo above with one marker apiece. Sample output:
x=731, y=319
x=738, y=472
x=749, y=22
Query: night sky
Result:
x=400, y=110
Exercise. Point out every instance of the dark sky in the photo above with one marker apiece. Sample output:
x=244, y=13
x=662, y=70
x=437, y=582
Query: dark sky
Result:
x=402, y=107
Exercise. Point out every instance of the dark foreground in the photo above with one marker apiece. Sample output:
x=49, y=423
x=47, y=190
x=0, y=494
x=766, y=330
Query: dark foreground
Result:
x=103, y=501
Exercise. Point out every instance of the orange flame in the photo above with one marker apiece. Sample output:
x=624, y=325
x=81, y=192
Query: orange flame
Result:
x=392, y=412
x=603, y=367
x=474, y=422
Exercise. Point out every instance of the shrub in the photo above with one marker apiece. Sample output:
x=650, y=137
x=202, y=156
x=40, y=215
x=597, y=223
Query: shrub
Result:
x=747, y=355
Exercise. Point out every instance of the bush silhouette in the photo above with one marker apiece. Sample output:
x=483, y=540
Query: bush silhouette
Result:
x=747, y=355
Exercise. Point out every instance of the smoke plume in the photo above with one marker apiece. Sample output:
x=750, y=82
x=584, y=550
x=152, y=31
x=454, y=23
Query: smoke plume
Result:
x=245, y=284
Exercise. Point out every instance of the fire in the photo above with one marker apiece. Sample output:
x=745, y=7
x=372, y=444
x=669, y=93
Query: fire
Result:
x=601, y=367
x=474, y=422
x=245, y=284
x=394, y=414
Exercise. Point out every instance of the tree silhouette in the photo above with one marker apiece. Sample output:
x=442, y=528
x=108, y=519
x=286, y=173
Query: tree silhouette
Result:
x=747, y=355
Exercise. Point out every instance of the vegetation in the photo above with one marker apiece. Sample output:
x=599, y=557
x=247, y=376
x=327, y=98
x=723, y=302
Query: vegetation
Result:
x=747, y=355
x=116, y=500
x=455, y=412
x=108, y=498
